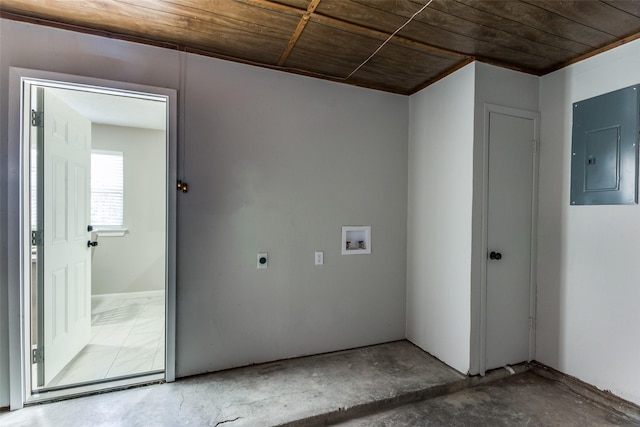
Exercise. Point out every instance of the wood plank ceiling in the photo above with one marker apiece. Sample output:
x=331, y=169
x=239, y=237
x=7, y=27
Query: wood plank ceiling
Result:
x=335, y=39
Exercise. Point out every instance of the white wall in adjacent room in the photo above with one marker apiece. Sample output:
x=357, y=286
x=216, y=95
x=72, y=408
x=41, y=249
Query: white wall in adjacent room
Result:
x=134, y=262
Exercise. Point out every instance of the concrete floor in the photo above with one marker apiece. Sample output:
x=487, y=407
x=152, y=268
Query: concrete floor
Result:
x=524, y=399
x=355, y=387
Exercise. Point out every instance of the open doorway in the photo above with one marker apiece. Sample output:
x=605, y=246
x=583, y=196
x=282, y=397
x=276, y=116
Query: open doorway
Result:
x=97, y=167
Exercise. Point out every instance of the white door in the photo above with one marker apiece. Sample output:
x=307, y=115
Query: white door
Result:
x=67, y=257
x=511, y=155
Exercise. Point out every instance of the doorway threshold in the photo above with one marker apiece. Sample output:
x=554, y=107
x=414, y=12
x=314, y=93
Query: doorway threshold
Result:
x=63, y=393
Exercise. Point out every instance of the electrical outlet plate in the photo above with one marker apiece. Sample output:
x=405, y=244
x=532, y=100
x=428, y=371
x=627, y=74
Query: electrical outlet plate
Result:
x=319, y=258
x=263, y=260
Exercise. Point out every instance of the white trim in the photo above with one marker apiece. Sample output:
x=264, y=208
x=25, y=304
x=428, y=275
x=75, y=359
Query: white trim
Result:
x=533, y=278
x=18, y=233
x=111, y=232
x=482, y=347
x=15, y=259
x=123, y=295
x=171, y=242
x=535, y=116
x=113, y=385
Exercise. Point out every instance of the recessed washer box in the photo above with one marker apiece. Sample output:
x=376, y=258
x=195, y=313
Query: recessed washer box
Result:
x=604, y=149
x=356, y=239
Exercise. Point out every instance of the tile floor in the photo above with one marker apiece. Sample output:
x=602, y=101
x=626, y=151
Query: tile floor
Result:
x=127, y=338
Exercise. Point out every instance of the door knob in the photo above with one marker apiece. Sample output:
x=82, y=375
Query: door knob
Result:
x=495, y=255
x=91, y=243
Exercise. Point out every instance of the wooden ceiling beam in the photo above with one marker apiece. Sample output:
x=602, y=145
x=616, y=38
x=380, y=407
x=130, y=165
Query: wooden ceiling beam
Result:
x=380, y=35
x=298, y=31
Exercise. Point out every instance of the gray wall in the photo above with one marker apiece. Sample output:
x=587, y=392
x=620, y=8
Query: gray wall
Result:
x=275, y=162
x=134, y=262
x=279, y=165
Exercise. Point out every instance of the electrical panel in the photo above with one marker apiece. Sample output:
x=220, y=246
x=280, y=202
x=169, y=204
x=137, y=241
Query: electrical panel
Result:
x=604, y=149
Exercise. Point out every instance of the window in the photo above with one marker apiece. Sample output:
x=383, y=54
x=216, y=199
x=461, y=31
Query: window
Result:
x=107, y=189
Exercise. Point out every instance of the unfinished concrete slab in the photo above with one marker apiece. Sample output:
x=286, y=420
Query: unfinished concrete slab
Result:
x=524, y=399
x=394, y=384
x=304, y=391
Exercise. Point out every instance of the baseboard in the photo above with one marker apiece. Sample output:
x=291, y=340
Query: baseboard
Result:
x=121, y=295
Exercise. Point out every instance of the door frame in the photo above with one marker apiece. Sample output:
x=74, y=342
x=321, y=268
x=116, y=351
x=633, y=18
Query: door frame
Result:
x=18, y=229
x=535, y=116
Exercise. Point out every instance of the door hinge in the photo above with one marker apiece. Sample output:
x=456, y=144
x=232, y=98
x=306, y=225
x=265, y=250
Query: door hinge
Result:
x=37, y=238
x=532, y=323
x=534, y=146
x=37, y=355
x=37, y=118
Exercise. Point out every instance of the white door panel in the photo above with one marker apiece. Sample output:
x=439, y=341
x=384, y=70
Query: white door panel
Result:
x=67, y=258
x=509, y=225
